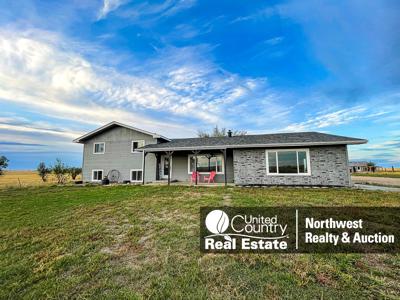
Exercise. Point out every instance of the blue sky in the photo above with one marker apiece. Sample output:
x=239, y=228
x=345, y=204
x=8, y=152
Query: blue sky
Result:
x=175, y=67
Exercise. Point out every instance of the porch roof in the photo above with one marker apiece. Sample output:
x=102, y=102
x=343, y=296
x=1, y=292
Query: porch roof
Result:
x=278, y=140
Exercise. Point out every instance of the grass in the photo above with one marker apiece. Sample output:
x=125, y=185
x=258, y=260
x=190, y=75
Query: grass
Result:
x=395, y=174
x=25, y=179
x=142, y=242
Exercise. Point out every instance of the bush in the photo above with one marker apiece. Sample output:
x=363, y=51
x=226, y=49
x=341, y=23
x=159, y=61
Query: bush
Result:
x=3, y=164
x=74, y=172
x=43, y=171
x=60, y=171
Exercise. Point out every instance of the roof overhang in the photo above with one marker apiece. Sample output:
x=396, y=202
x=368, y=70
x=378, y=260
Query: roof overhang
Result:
x=112, y=124
x=274, y=145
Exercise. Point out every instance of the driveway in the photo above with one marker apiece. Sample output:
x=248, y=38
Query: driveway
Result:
x=376, y=180
x=369, y=187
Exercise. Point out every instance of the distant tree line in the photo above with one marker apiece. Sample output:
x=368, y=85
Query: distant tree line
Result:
x=59, y=169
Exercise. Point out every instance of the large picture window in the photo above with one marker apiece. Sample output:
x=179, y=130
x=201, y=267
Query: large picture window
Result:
x=206, y=164
x=288, y=162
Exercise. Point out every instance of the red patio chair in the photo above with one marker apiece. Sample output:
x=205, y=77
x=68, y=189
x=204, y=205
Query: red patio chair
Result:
x=193, y=177
x=211, y=177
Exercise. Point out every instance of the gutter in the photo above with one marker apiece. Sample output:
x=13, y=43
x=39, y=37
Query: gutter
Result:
x=279, y=145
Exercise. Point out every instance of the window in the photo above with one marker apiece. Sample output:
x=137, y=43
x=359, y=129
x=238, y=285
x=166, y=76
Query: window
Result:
x=206, y=164
x=99, y=148
x=288, y=162
x=97, y=175
x=137, y=144
x=136, y=175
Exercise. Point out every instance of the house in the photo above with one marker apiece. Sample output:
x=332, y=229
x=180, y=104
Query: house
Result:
x=361, y=166
x=126, y=153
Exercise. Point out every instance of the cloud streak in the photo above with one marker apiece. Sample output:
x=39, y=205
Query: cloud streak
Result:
x=108, y=6
x=335, y=118
x=42, y=73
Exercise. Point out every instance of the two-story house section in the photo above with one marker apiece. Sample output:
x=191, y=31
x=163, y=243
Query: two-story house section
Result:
x=112, y=148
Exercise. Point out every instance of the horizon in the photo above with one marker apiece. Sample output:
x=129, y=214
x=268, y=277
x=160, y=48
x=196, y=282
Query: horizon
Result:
x=179, y=66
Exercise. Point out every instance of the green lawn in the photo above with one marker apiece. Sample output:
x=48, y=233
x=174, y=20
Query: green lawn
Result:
x=141, y=242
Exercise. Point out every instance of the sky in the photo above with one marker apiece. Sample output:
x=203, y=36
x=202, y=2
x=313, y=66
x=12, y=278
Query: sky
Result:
x=175, y=67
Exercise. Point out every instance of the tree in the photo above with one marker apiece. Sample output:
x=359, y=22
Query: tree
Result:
x=217, y=132
x=371, y=166
x=60, y=170
x=3, y=164
x=43, y=171
x=74, y=172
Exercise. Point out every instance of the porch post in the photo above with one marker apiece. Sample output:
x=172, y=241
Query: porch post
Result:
x=195, y=152
x=143, y=166
x=157, y=166
x=195, y=167
x=169, y=155
x=169, y=170
x=209, y=156
x=224, y=154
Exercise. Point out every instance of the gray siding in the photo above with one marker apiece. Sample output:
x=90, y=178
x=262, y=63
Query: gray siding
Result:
x=118, y=154
x=329, y=167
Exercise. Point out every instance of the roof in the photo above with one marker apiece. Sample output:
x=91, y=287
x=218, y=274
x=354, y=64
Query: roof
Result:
x=256, y=141
x=116, y=124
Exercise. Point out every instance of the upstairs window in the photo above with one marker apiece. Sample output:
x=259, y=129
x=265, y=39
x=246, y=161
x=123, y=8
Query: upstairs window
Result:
x=137, y=144
x=99, y=148
x=288, y=162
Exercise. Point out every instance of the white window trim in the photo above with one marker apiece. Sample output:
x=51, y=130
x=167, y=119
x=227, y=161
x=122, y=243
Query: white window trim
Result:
x=136, y=151
x=94, y=147
x=297, y=157
x=130, y=175
x=223, y=165
x=96, y=170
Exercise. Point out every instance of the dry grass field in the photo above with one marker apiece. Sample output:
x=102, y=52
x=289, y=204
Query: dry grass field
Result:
x=26, y=179
x=142, y=242
x=387, y=174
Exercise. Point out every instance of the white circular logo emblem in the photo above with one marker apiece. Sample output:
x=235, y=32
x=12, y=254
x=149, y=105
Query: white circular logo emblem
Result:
x=217, y=221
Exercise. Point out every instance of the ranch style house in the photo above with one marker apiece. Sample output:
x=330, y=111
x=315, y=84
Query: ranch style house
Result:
x=123, y=153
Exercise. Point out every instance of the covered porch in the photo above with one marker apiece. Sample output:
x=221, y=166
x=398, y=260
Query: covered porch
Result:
x=176, y=166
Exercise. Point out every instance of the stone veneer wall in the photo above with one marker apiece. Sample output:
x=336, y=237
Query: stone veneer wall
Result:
x=329, y=167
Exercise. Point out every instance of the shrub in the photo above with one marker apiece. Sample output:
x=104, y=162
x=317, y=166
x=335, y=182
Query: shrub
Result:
x=43, y=171
x=3, y=164
x=60, y=171
x=74, y=172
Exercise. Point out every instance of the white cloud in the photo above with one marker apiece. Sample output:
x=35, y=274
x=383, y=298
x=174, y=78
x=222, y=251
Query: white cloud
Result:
x=335, y=118
x=18, y=134
x=274, y=41
x=386, y=152
x=42, y=73
x=150, y=12
x=34, y=127
x=108, y=6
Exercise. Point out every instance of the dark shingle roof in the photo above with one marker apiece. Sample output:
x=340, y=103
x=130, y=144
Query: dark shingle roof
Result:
x=254, y=141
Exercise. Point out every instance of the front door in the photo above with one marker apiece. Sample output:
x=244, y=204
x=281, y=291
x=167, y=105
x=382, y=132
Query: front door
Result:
x=165, y=163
